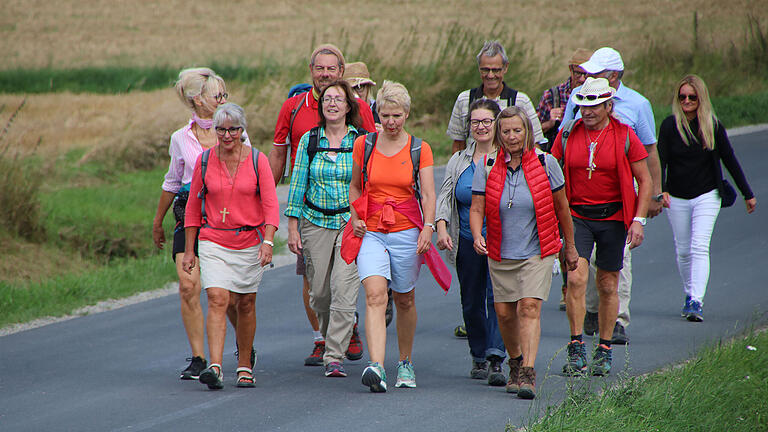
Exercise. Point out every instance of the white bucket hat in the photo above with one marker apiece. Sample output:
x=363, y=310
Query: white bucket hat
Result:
x=605, y=58
x=594, y=92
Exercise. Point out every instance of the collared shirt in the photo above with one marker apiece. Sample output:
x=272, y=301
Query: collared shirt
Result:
x=329, y=179
x=632, y=108
x=546, y=103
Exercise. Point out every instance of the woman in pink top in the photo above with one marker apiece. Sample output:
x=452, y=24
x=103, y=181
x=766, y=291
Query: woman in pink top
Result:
x=201, y=90
x=233, y=204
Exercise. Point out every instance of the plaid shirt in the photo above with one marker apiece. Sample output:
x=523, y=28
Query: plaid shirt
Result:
x=328, y=181
x=547, y=100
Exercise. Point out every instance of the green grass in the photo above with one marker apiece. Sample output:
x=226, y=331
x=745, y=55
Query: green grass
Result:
x=723, y=388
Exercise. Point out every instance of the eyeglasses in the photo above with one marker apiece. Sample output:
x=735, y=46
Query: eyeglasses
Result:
x=221, y=97
x=486, y=71
x=580, y=97
x=220, y=131
x=487, y=122
x=338, y=100
x=577, y=73
x=690, y=97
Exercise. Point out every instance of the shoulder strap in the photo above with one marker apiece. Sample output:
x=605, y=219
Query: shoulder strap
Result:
x=510, y=95
x=294, y=112
x=555, y=97
x=370, y=143
x=255, y=160
x=626, y=144
x=416, y=161
x=566, y=133
x=204, y=190
x=473, y=95
x=314, y=135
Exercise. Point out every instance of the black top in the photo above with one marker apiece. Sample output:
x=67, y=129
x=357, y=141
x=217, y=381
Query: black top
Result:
x=688, y=171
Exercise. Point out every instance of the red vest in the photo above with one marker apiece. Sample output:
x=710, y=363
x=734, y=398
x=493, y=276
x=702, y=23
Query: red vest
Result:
x=543, y=204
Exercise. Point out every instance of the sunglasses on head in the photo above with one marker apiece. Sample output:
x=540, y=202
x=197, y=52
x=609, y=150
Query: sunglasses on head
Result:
x=580, y=97
x=690, y=97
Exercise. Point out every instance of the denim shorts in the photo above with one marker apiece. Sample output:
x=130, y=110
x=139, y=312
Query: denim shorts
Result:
x=391, y=255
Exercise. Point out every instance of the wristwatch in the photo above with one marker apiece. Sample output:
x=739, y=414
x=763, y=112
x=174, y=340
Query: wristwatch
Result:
x=431, y=225
x=658, y=198
x=642, y=221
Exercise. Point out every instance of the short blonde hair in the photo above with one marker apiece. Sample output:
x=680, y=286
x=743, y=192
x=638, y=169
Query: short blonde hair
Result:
x=194, y=82
x=393, y=93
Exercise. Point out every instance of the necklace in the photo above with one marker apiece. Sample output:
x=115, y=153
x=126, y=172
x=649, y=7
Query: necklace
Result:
x=592, y=147
x=224, y=211
x=513, y=186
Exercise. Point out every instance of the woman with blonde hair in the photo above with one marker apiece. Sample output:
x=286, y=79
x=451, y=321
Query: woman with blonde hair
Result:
x=202, y=91
x=692, y=143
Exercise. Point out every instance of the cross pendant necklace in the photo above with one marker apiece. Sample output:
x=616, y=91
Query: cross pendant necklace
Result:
x=224, y=214
x=592, y=152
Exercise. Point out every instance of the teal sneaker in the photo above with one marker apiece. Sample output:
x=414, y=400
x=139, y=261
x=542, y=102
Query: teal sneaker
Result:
x=601, y=361
x=405, y=375
x=577, y=359
x=375, y=378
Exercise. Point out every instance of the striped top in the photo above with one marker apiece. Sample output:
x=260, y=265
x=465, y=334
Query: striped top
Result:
x=184, y=151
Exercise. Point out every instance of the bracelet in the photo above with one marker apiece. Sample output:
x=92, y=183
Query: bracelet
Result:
x=431, y=225
x=269, y=242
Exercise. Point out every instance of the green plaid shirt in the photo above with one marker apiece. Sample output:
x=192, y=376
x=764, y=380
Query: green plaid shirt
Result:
x=328, y=181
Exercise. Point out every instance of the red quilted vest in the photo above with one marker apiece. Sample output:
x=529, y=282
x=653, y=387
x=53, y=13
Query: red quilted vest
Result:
x=544, y=207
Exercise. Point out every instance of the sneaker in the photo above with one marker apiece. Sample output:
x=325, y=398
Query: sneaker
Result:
x=561, y=306
x=496, y=376
x=601, y=361
x=335, y=369
x=253, y=355
x=479, y=370
x=527, y=383
x=388, y=314
x=513, y=383
x=591, y=325
x=460, y=331
x=405, y=375
x=316, y=358
x=375, y=378
x=619, y=336
x=196, y=365
x=577, y=359
x=686, y=307
x=696, y=314
x=355, y=348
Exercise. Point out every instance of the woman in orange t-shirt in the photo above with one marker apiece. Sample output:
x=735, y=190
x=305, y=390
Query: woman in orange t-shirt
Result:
x=392, y=241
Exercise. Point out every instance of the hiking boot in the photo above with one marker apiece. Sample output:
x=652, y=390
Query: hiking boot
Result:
x=577, y=359
x=388, y=314
x=601, y=361
x=591, y=325
x=355, y=349
x=527, y=383
x=196, y=365
x=405, y=375
x=316, y=358
x=479, y=370
x=561, y=306
x=513, y=383
x=619, y=336
x=375, y=378
x=496, y=376
x=335, y=369
x=686, y=307
x=695, y=314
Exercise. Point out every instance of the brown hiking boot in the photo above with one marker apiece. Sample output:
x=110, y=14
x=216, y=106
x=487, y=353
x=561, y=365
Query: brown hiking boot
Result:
x=527, y=383
x=513, y=383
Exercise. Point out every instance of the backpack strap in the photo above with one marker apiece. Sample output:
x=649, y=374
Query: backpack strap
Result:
x=294, y=112
x=564, y=138
x=370, y=143
x=204, y=190
x=255, y=160
x=312, y=149
x=415, y=162
x=509, y=94
x=555, y=96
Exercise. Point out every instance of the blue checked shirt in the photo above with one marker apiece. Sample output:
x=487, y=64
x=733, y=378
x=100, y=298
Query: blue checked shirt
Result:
x=328, y=181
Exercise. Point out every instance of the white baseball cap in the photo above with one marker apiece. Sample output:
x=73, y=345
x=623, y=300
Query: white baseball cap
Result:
x=605, y=58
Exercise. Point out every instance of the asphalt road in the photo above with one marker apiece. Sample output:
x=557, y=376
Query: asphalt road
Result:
x=118, y=370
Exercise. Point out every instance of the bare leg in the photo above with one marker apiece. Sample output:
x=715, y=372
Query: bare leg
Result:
x=218, y=300
x=529, y=317
x=246, y=320
x=607, y=288
x=574, y=297
x=406, y=321
x=375, y=325
x=506, y=315
x=191, y=312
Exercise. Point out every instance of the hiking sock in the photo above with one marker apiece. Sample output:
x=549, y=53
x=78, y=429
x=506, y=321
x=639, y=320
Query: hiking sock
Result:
x=606, y=342
x=576, y=338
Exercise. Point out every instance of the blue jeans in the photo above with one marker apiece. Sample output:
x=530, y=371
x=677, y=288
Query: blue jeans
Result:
x=477, y=303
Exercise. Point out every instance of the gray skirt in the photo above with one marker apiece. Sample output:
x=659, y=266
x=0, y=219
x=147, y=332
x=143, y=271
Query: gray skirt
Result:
x=238, y=271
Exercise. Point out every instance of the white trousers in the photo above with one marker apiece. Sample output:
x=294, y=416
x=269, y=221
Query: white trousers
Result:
x=692, y=223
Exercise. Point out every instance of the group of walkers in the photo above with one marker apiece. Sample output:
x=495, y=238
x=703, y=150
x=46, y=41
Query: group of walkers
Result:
x=575, y=180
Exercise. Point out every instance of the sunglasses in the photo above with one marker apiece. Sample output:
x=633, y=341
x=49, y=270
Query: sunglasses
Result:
x=690, y=97
x=580, y=97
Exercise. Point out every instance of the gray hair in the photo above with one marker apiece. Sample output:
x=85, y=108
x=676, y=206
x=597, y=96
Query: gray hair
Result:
x=492, y=48
x=194, y=82
x=232, y=112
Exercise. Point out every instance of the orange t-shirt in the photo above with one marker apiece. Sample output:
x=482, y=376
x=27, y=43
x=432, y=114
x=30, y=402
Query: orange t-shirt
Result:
x=390, y=177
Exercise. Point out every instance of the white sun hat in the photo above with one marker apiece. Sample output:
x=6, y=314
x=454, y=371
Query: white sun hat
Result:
x=605, y=58
x=594, y=92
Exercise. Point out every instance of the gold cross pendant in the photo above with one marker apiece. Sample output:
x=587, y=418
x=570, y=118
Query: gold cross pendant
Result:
x=224, y=214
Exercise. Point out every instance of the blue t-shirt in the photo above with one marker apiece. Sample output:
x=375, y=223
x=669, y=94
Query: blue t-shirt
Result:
x=463, y=193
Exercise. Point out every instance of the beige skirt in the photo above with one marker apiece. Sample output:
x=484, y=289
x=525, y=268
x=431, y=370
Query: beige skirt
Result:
x=516, y=279
x=238, y=271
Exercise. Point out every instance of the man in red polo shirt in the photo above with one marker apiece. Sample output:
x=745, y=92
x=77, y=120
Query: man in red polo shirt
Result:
x=297, y=116
x=601, y=158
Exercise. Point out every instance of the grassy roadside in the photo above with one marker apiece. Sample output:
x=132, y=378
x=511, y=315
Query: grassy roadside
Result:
x=723, y=388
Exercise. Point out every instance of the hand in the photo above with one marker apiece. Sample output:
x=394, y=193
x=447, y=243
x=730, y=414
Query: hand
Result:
x=158, y=235
x=294, y=241
x=571, y=257
x=265, y=254
x=189, y=262
x=424, y=241
x=666, y=200
x=654, y=208
x=359, y=228
x=480, y=246
x=556, y=113
x=444, y=240
x=635, y=235
x=751, y=204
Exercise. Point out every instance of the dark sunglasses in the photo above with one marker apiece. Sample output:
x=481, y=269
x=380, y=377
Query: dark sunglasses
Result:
x=580, y=97
x=690, y=97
